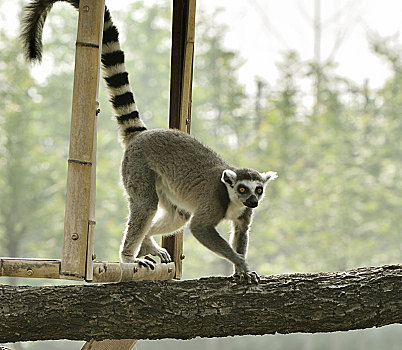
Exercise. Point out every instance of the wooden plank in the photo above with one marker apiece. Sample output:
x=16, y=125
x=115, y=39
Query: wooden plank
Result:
x=91, y=221
x=178, y=17
x=76, y=222
x=33, y=268
x=121, y=344
x=174, y=245
x=79, y=176
x=183, y=30
x=187, y=80
x=103, y=272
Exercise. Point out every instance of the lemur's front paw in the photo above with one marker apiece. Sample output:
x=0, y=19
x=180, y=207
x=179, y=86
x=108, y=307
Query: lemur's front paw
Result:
x=249, y=277
x=141, y=262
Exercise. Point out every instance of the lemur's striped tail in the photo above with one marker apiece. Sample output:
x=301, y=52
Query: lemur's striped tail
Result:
x=113, y=67
x=116, y=77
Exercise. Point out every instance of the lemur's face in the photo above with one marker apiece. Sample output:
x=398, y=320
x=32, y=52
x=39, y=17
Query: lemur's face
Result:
x=246, y=186
x=249, y=192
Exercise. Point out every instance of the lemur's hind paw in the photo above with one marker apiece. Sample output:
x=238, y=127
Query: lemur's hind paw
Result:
x=163, y=254
x=148, y=247
x=145, y=263
x=141, y=262
x=248, y=277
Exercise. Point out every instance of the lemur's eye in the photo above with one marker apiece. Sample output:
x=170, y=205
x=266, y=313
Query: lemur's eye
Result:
x=258, y=190
x=242, y=189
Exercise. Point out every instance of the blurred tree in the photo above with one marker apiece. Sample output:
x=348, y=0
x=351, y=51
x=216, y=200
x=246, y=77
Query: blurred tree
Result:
x=25, y=205
x=221, y=118
x=331, y=164
x=148, y=57
x=220, y=104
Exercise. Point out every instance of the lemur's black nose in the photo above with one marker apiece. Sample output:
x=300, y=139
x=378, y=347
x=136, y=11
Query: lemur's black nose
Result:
x=251, y=202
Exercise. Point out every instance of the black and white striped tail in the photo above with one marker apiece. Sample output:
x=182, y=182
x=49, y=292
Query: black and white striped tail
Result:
x=113, y=67
x=116, y=77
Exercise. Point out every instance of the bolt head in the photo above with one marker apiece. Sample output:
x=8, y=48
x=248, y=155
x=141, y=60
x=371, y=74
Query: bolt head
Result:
x=74, y=236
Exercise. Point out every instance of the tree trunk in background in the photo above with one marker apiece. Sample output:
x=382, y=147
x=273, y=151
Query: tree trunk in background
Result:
x=211, y=307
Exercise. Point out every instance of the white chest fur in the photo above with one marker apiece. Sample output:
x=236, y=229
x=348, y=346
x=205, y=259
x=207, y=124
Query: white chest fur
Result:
x=235, y=209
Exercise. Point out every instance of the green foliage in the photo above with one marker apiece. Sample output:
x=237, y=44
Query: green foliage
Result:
x=341, y=197
x=145, y=36
x=219, y=116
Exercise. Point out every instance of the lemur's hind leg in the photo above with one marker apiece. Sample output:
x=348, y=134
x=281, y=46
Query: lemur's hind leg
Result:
x=142, y=211
x=168, y=220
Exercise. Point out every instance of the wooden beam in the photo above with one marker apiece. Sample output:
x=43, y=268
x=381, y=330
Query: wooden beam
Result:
x=183, y=29
x=187, y=80
x=81, y=154
x=124, y=272
x=103, y=272
x=33, y=268
x=91, y=221
x=122, y=344
x=183, y=32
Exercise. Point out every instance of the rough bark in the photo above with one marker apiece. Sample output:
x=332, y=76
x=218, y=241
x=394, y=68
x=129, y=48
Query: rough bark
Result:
x=211, y=307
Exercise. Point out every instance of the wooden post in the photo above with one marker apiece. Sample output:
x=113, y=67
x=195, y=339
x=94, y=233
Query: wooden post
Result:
x=121, y=344
x=92, y=199
x=81, y=155
x=183, y=29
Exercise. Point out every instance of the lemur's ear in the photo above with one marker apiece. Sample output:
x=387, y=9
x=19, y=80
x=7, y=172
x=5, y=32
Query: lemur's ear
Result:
x=229, y=177
x=269, y=176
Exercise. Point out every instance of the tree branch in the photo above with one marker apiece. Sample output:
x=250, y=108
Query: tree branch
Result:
x=211, y=307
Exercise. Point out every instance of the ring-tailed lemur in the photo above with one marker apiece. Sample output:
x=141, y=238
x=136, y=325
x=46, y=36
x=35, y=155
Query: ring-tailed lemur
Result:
x=165, y=171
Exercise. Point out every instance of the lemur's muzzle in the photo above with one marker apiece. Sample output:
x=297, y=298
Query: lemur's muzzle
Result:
x=251, y=202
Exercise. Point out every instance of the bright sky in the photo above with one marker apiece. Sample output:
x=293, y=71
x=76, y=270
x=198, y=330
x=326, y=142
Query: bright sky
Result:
x=262, y=30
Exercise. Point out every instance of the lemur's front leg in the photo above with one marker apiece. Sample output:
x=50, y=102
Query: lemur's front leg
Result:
x=239, y=242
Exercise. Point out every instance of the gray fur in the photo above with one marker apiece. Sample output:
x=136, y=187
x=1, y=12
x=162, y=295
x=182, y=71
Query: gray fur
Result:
x=172, y=171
